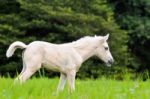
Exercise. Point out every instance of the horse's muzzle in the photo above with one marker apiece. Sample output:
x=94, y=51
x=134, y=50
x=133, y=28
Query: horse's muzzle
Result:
x=110, y=62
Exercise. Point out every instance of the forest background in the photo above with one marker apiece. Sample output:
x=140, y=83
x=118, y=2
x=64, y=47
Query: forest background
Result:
x=61, y=21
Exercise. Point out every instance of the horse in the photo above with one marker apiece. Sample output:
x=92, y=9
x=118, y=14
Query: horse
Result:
x=65, y=58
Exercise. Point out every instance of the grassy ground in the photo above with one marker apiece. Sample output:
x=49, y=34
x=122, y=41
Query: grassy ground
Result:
x=42, y=88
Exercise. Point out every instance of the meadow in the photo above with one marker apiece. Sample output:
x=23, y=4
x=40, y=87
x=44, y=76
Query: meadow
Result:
x=43, y=88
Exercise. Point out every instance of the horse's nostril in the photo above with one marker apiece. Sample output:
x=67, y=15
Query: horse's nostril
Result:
x=111, y=61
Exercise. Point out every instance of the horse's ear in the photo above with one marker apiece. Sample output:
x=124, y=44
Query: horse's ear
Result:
x=106, y=37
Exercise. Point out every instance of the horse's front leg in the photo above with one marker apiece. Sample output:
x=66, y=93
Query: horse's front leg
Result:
x=71, y=80
x=62, y=82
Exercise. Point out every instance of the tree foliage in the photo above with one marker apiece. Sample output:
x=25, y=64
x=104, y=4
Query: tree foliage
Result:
x=58, y=21
x=134, y=16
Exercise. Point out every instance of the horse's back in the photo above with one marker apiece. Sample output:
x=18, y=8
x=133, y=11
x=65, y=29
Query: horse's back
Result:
x=49, y=50
x=52, y=56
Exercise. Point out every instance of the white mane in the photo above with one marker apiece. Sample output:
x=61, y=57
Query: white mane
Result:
x=84, y=41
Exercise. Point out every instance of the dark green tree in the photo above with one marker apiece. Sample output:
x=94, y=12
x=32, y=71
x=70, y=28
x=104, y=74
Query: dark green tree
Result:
x=58, y=21
x=134, y=16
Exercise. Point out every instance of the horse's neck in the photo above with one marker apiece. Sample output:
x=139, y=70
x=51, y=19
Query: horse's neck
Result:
x=86, y=51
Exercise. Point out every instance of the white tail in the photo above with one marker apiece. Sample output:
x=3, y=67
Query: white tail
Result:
x=13, y=47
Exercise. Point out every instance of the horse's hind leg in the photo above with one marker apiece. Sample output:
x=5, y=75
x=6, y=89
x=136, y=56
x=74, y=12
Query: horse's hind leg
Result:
x=25, y=75
x=30, y=67
x=23, y=70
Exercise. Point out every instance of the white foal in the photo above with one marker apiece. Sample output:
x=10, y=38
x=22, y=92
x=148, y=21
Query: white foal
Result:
x=64, y=58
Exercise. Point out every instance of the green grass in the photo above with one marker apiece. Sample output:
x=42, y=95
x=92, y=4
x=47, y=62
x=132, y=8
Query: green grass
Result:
x=42, y=88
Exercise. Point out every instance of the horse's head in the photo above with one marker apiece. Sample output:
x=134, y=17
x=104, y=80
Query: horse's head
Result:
x=103, y=51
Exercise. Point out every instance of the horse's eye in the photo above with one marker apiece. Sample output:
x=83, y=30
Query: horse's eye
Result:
x=106, y=48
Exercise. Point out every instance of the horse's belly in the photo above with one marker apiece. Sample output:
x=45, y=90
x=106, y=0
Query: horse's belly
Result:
x=51, y=67
x=54, y=65
x=61, y=60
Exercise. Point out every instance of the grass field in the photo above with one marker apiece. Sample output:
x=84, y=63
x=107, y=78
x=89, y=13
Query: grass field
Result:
x=42, y=88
